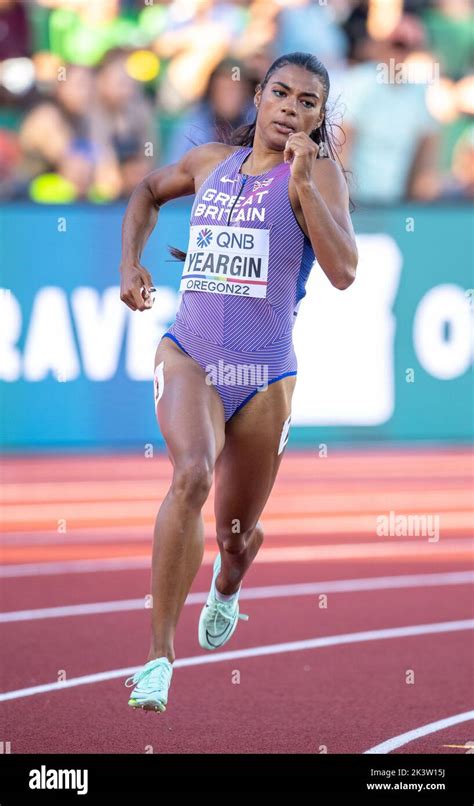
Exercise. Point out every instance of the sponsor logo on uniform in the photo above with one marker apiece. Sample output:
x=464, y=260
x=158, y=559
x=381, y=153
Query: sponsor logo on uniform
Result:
x=226, y=179
x=204, y=237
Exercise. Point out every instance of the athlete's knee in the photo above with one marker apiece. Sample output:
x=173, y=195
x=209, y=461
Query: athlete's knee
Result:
x=235, y=540
x=259, y=534
x=192, y=481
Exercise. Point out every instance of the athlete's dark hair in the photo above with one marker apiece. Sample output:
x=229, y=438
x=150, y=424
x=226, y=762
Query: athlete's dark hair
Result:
x=322, y=136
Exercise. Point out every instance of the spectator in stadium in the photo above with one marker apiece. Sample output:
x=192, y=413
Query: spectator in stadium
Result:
x=14, y=30
x=459, y=184
x=450, y=27
x=121, y=124
x=74, y=93
x=55, y=127
x=197, y=37
x=82, y=31
x=45, y=138
x=312, y=26
x=392, y=140
x=10, y=158
x=226, y=105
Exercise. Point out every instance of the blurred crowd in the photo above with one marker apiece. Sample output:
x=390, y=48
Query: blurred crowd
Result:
x=94, y=94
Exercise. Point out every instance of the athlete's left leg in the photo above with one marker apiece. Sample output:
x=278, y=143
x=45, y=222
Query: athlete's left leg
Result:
x=244, y=476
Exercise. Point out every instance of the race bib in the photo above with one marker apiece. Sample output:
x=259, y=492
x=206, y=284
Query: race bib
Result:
x=227, y=260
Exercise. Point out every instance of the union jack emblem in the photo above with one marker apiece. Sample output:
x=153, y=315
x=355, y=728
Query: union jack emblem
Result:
x=262, y=184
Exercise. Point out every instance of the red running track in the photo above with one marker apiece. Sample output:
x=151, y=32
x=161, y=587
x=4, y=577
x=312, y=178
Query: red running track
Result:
x=378, y=645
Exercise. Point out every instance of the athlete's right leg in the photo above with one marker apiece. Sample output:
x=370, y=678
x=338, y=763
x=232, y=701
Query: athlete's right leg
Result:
x=191, y=418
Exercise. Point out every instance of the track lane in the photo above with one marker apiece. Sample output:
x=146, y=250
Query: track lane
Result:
x=345, y=698
x=289, y=703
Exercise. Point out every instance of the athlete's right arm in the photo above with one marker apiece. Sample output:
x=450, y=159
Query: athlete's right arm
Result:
x=160, y=186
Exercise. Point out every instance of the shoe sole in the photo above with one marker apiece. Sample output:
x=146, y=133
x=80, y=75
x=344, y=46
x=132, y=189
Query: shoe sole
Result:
x=148, y=705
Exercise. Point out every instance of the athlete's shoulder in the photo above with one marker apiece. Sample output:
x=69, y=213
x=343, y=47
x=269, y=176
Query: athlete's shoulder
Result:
x=330, y=180
x=327, y=166
x=201, y=159
x=329, y=176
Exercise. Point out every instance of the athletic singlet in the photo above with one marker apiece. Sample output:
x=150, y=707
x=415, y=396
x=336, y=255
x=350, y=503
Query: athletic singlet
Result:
x=244, y=277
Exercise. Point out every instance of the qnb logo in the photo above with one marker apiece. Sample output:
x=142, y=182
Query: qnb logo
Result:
x=235, y=240
x=204, y=237
x=59, y=779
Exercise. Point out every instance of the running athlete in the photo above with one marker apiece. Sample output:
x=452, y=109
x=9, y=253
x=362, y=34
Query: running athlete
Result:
x=265, y=207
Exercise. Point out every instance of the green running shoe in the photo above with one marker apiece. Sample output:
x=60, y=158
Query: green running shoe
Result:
x=218, y=620
x=152, y=684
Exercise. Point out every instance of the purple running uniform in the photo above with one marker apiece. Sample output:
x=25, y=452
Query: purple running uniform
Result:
x=244, y=277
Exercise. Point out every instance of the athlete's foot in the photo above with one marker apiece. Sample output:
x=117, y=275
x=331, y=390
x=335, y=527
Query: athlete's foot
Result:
x=219, y=616
x=152, y=682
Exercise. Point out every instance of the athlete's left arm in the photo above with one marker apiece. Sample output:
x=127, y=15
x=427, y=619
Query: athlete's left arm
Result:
x=320, y=199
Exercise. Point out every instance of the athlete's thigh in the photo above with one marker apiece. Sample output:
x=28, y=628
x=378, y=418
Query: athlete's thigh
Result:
x=254, y=445
x=189, y=411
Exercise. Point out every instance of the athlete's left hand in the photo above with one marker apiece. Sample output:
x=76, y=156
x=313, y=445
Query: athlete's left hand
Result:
x=300, y=152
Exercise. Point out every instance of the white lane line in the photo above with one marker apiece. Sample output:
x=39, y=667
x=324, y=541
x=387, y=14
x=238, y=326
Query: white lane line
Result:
x=262, y=592
x=414, y=550
x=417, y=733
x=253, y=652
x=74, y=567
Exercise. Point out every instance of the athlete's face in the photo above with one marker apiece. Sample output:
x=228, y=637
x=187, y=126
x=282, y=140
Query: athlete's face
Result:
x=291, y=101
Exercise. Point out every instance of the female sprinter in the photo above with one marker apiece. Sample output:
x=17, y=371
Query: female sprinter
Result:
x=225, y=372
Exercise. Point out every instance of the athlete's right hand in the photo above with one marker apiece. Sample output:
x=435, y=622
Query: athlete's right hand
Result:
x=134, y=278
